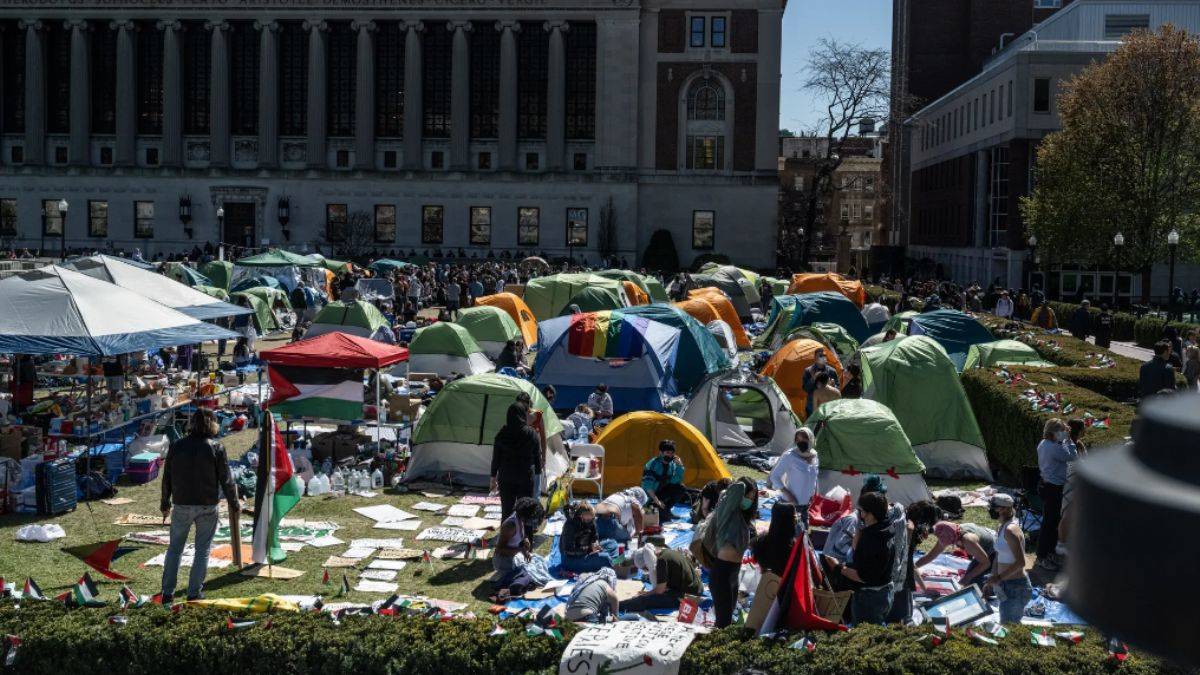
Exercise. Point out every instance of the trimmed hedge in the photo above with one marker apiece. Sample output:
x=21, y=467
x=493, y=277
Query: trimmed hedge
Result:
x=157, y=642
x=1012, y=428
x=1126, y=327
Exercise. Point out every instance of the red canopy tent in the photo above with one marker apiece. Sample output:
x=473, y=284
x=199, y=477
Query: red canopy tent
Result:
x=336, y=350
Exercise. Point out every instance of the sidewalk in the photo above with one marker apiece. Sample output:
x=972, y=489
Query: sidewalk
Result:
x=1128, y=349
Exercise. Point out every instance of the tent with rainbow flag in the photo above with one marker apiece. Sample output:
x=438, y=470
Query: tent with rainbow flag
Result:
x=634, y=355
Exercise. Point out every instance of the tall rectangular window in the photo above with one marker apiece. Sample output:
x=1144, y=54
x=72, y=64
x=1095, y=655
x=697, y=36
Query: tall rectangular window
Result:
x=696, y=34
x=581, y=81
x=385, y=222
x=244, y=46
x=13, y=46
x=703, y=230
x=389, y=80
x=341, y=48
x=1041, y=95
x=481, y=225
x=293, y=79
x=1001, y=102
x=717, y=33
x=432, y=224
x=976, y=112
x=533, y=46
x=485, y=80
x=1010, y=97
x=992, y=108
x=52, y=218
x=577, y=226
x=437, y=79
x=104, y=78
x=337, y=218
x=143, y=220
x=149, y=78
x=705, y=153
x=196, y=72
x=57, y=41
x=97, y=218
x=8, y=217
x=998, y=196
x=529, y=225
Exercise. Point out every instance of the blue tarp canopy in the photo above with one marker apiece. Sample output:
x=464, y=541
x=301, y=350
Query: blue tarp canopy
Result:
x=955, y=331
x=256, y=281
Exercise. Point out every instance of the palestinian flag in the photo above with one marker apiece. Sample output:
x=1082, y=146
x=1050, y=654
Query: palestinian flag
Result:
x=240, y=624
x=32, y=591
x=345, y=587
x=98, y=556
x=331, y=393
x=85, y=593
x=278, y=491
x=131, y=599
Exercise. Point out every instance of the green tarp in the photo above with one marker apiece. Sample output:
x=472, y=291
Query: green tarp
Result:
x=356, y=314
x=443, y=338
x=862, y=434
x=829, y=334
x=778, y=286
x=656, y=290
x=626, y=275
x=186, y=275
x=278, y=257
x=219, y=272
x=472, y=410
x=1003, y=353
x=387, y=266
x=547, y=296
x=486, y=323
x=899, y=322
x=218, y=293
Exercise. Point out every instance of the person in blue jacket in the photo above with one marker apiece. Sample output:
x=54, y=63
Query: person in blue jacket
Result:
x=662, y=479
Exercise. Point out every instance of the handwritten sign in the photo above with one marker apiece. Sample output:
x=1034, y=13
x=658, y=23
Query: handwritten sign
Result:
x=454, y=535
x=635, y=647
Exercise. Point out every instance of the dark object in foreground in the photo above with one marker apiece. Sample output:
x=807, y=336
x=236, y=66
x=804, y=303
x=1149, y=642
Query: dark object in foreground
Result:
x=1151, y=488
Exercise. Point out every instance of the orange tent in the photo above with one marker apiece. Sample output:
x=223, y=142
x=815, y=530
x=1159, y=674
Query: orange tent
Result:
x=811, y=283
x=787, y=365
x=700, y=309
x=518, y=310
x=720, y=302
x=636, y=295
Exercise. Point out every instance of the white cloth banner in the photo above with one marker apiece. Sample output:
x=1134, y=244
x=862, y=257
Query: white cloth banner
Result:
x=634, y=647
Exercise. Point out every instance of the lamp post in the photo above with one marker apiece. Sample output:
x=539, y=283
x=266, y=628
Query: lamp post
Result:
x=63, y=206
x=1032, y=259
x=1118, y=242
x=221, y=222
x=1172, y=245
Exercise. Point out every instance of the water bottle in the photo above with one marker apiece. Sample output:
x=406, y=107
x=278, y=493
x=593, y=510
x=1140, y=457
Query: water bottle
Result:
x=377, y=479
x=327, y=466
x=314, y=486
x=338, y=482
x=324, y=483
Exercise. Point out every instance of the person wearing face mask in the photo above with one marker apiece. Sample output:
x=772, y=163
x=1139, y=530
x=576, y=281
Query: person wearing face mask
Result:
x=1008, y=579
x=1055, y=452
x=795, y=474
x=873, y=559
x=820, y=365
x=726, y=535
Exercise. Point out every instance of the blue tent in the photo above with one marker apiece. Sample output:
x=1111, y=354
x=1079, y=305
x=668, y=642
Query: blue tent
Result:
x=256, y=281
x=700, y=355
x=789, y=312
x=955, y=331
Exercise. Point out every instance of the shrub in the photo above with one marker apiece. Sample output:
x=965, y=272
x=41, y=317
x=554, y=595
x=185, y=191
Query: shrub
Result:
x=1126, y=327
x=660, y=254
x=1012, y=428
x=705, y=258
x=157, y=642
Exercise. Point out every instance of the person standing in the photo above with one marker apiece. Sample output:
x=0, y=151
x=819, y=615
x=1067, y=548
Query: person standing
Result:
x=1104, y=324
x=662, y=479
x=516, y=459
x=1055, y=452
x=873, y=559
x=853, y=386
x=1009, y=580
x=1081, y=320
x=1004, y=306
x=453, y=293
x=824, y=392
x=1191, y=367
x=1157, y=374
x=795, y=474
x=195, y=474
x=1044, y=317
x=726, y=536
x=819, y=365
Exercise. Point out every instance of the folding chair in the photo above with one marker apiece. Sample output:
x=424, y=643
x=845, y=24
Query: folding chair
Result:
x=587, y=451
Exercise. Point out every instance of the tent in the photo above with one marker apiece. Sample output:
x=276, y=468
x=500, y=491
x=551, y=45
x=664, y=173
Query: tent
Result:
x=278, y=257
x=791, y=311
x=737, y=290
x=490, y=326
x=535, y=263
x=720, y=302
x=955, y=331
x=656, y=290
x=183, y=274
x=787, y=365
x=1003, y=353
x=829, y=281
x=900, y=322
x=256, y=281
x=700, y=309
x=356, y=317
x=596, y=299
x=220, y=272
x=633, y=355
x=191, y=301
x=387, y=266
x=876, y=316
x=55, y=310
x=744, y=278
x=446, y=348
x=829, y=334
x=699, y=354
x=724, y=336
x=631, y=440
x=375, y=289
x=627, y=275
x=548, y=296
x=856, y=437
x=264, y=317
x=335, y=266
x=915, y=379
x=778, y=286
x=517, y=310
x=453, y=438
x=212, y=291
x=635, y=294
x=741, y=413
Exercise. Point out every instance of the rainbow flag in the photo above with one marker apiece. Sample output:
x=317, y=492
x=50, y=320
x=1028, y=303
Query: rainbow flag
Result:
x=607, y=335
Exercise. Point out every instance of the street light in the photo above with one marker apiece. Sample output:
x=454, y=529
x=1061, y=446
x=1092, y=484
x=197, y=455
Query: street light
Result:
x=63, y=206
x=1172, y=244
x=1118, y=242
x=1032, y=259
x=221, y=222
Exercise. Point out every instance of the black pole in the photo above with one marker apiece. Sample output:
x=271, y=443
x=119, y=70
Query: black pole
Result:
x=1171, y=276
x=1117, y=281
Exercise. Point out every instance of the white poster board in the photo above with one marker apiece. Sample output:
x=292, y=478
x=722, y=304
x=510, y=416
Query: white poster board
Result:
x=634, y=647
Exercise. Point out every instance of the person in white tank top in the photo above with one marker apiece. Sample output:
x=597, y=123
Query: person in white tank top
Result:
x=1008, y=579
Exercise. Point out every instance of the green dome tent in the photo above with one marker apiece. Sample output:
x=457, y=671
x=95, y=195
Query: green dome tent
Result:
x=595, y=299
x=355, y=317
x=387, y=266
x=655, y=289
x=856, y=437
x=626, y=275
x=491, y=327
x=264, y=318
x=899, y=322
x=453, y=438
x=219, y=272
x=186, y=275
x=915, y=378
x=446, y=348
x=218, y=293
x=278, y=257
x=1003, y=353
x=829, y=334
x=955, y=331
x=547, y=296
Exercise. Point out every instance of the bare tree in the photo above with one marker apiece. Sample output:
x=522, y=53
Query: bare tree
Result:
x=354, y=239
x=851, y=83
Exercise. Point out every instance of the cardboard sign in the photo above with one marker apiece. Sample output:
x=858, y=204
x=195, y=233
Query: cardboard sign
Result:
x=454, y=535
x=764, y=597
x=641, y=647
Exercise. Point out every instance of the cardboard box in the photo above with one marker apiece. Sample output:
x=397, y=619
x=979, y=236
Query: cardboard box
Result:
x=399, y=406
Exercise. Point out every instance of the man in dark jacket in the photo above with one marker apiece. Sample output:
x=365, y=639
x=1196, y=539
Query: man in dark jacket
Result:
x=1104, y=324
x=1081, y=320
x=819, y=365
x=516, y=459
x=195, y=474
x=1157, y=374
x=874, y=554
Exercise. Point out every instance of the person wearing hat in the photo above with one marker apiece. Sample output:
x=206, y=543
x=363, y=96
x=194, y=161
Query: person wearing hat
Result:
x=1008, y=579
x=662, y=479
x=795, y=474
x=976, y=541
x=671, y=574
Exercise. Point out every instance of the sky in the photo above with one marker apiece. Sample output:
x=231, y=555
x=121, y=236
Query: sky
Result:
x=805, y=22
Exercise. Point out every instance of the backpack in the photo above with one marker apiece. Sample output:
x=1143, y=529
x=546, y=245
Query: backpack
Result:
x=94, y=485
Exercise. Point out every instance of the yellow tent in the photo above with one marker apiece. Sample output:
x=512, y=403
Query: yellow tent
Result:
x=720, y=302
x=518, y=310
x=631, y=440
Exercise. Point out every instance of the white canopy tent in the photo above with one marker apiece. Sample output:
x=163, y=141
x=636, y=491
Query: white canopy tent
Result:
x=157, y=287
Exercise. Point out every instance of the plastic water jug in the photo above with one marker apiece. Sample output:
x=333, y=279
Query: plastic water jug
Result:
x=338, y=482
x=314, y=486
x=377, y=479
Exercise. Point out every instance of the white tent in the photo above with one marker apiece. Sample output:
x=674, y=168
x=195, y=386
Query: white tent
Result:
x=724, y=335
x=54, y=310
x=739, y=413
x=157, y=287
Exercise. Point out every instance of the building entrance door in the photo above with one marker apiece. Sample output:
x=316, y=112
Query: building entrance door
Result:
x=239, y=224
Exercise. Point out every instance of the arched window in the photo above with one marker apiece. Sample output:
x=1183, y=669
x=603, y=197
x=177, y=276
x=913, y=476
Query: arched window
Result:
x=707, y=126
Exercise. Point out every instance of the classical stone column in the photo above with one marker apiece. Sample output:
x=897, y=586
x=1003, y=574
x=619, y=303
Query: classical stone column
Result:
x=414, y=107
x=79, y=150
x=268, y=93
x=317, y=87
x=126, y=104
x=35, y=92
x=556, y=97
x=508, y=94
x=219, y=106
x=172, y=103
x=460, y=97
x=364, y=96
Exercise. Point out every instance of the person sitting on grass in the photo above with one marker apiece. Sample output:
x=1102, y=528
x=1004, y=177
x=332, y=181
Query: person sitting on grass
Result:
x=662, y=479
x=514, y=543
x=594, y=598
x=977, y=541
x=619, y=517
x=671, y=574
x=579, y=544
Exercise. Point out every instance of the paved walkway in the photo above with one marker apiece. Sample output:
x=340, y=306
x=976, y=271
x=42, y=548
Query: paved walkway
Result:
x=1128, y=349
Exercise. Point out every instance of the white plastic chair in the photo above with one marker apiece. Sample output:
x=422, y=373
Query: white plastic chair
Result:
x=588, y=450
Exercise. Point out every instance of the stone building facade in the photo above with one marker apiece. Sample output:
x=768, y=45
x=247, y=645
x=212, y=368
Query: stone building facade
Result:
x=518, y=125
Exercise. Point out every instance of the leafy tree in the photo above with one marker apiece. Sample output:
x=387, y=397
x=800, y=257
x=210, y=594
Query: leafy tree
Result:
x=1127, y=158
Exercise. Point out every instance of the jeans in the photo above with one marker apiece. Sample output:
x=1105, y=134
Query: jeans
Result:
x=591, y=562
x=641, y=603
x=871, y=605
x=723, y=584
x=1013, y=595
x=607, y=527
x=1051, y=495
x=182, y=518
